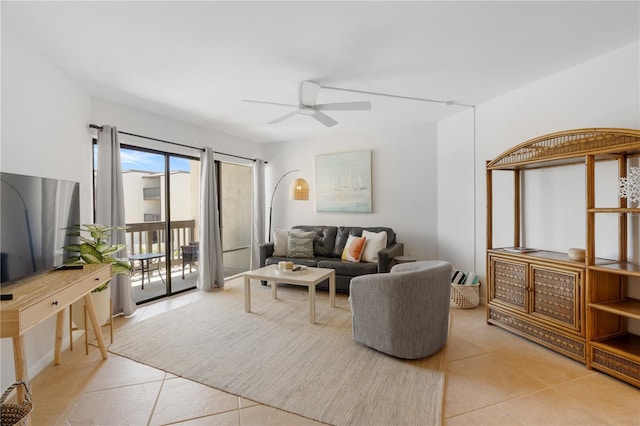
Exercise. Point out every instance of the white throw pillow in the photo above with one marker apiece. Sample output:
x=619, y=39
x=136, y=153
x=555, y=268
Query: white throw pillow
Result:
x=374, y=243
x=280, y=238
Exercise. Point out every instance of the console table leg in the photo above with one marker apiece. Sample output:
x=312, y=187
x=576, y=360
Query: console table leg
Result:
x=91, y=310
x=19, y=365
x=59, y=335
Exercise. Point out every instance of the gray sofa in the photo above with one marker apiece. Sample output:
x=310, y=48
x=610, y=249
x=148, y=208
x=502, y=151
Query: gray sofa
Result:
x=328, y=244
x=404, y=313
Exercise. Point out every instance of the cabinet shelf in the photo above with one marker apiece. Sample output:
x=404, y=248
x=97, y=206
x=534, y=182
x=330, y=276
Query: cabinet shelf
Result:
x=627, y=344
x=629, y=308
x=620, y=268
x=614, y=210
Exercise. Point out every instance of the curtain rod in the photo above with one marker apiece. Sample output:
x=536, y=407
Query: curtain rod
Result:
x=95, y=126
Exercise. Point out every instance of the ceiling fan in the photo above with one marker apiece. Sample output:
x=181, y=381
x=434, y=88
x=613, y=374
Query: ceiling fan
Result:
x=308, y=92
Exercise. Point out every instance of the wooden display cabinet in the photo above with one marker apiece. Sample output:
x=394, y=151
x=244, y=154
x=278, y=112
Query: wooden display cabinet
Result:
x=578, y=308
x=539, y=299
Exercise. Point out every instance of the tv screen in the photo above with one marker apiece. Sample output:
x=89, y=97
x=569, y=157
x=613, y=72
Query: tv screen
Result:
x=34, y=212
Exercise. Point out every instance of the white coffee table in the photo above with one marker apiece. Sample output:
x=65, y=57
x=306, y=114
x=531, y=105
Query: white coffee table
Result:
x=310, y=278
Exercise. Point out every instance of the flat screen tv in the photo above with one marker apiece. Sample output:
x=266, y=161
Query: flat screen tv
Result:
x=34, y=212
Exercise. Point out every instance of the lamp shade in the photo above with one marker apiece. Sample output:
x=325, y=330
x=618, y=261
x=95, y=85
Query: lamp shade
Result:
x=299, y=190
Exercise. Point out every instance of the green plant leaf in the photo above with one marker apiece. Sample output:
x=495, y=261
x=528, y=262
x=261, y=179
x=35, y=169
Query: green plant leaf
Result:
x=72, y=247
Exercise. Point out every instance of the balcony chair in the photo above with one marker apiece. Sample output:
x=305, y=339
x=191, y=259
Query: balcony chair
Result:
x=190, y=254
x=403, y=313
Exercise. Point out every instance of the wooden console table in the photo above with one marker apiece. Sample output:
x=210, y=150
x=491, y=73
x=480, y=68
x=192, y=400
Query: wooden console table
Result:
x=38, y=297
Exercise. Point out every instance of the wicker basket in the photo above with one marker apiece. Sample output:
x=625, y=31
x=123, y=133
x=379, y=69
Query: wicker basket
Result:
x=16, y=414
x=465, y=296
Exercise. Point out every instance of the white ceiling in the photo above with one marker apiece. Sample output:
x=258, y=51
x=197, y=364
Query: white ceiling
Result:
x=197, y=61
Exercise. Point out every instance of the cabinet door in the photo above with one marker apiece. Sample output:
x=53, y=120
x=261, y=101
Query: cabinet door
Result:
x=508, y=283
x=556, y=296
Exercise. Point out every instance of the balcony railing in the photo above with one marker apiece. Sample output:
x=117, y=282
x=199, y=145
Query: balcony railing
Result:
x=149, y=237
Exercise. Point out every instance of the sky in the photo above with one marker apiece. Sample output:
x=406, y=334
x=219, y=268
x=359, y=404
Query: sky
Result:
x=150, y=162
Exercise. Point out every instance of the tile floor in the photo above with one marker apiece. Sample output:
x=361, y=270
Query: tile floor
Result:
x=493, y=378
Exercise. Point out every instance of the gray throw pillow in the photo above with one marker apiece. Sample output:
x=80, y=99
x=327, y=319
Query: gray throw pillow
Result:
x=280, y=237
x=300, y=244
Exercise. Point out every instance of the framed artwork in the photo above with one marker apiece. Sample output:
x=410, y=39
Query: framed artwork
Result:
x=343, y=182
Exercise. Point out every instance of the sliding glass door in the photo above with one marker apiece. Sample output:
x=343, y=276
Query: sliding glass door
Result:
x=236, y=189
x=162, y=209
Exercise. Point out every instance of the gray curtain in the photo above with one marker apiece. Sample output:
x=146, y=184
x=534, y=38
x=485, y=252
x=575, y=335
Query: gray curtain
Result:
x=211, y=272
x=257, y=214
x=110, y=211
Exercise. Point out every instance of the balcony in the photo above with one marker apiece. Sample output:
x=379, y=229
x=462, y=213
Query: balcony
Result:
x=150, y=237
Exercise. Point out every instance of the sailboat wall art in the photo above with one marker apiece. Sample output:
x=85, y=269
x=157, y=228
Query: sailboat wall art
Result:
x=343, y=182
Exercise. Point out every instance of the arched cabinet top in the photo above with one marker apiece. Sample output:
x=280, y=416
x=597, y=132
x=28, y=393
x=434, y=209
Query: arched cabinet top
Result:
x=567, y=147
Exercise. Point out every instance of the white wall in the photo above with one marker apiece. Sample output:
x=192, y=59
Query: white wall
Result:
x=603, y=92
x=45, y=116
x=456, y=194
x=137, y=121
x=404, y=170
x=44, y=133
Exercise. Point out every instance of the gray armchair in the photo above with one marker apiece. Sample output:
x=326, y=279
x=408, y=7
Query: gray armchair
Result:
x=404, y=313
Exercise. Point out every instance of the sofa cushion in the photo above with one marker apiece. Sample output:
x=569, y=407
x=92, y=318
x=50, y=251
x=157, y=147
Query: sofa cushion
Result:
x=300, y=244
x=376, y=241
x=353, y=249
x=344, y=232
x=324, y=239
x=280, y=237
x=349, y=269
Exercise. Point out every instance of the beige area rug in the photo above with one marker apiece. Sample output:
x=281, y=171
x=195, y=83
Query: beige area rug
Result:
x=274, y=356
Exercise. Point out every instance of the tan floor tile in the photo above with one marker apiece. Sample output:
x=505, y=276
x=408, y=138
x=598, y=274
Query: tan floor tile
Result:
x=50, y=411
x=489, y=416
x=484, y=380
x=549, y=407
x=230, y=418
x=125, y=405
x=459, y=348
x=118, y=371
x=181, y=399
x=543, y=364
x=620, y=401
x=261, y=415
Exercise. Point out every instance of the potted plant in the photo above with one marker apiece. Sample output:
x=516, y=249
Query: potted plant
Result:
x=95, y=248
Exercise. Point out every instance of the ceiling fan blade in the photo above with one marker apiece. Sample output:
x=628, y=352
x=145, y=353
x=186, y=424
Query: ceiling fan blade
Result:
x=308, y=93
x=283, y=117
x=269, y=103
x=324, y=119
x=344, y=106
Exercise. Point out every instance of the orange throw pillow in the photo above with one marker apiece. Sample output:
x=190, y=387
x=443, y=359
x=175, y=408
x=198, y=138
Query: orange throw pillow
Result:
x=353, y=249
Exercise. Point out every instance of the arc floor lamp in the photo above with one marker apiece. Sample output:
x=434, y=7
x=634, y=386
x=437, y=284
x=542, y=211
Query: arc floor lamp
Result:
x=299, y=191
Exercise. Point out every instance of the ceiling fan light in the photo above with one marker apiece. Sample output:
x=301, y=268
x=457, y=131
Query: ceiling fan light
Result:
x=306, y=110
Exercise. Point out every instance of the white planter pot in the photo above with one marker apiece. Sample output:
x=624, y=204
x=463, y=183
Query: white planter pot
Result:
x=101, y=300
